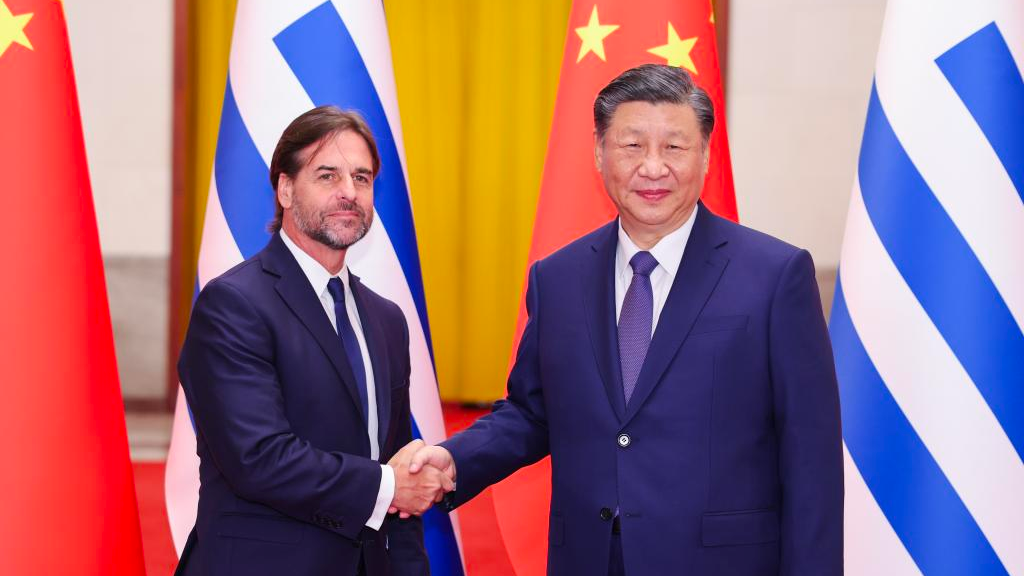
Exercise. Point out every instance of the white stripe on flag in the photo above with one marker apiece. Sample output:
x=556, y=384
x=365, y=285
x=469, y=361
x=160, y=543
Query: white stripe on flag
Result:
x=181, y=480
x=218, y=251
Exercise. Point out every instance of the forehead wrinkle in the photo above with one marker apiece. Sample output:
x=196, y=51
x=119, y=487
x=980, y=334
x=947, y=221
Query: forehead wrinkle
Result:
x=356, y=167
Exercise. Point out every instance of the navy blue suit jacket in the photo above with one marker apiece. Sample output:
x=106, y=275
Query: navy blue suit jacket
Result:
x=287, y=482
x=732, y=464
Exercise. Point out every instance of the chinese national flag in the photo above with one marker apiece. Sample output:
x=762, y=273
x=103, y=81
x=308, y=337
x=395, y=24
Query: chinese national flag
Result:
x=66, y=490
x=604, y=39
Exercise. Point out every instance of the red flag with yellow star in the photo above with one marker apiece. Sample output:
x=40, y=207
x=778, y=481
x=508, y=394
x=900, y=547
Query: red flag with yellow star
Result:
x=66, y=492
x=604, y=39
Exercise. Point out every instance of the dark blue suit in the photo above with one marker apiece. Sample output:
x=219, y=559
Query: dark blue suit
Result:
x=287, y=481
x=731, y=463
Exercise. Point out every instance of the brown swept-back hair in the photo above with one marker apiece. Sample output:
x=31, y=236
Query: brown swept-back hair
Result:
x=313, y=127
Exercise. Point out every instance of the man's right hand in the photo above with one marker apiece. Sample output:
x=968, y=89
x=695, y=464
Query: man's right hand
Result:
x=433, y=456
x=417, y=490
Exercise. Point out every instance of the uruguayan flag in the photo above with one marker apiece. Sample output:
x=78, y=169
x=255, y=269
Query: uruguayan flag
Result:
x=286, y=58
x=929, y=308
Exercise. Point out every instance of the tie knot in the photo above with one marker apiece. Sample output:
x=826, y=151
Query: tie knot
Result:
x=643, y=263
x=337, y=289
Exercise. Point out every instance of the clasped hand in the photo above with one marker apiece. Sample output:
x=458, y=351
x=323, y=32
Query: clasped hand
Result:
x=423, y=475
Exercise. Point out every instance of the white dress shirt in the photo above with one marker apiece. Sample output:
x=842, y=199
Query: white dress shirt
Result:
x=669, y=254
x=318, y=277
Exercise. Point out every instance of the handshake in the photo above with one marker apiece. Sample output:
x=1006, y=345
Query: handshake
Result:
x=423, y=475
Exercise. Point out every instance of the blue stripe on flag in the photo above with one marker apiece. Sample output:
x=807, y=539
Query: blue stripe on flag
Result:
x=985, y=76
x=242, y=184
x=916, y=497
x=943, y=273
x=438, y=535
x=324, y=58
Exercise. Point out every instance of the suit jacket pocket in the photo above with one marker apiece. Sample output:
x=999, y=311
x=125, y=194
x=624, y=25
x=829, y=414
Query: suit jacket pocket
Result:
x=743, y=527
x=719, y=323
x=259, y=527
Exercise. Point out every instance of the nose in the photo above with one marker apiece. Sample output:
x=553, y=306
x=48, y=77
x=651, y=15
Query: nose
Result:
x=346, y=188
x=653, y=165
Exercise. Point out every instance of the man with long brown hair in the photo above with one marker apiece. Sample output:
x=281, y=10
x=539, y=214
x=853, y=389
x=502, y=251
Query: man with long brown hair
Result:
x=297, y=376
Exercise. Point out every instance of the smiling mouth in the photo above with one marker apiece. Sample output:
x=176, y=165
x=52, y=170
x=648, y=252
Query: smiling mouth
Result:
x=652, y=194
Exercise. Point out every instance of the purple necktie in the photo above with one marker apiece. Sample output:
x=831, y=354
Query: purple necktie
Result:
x=635, y=320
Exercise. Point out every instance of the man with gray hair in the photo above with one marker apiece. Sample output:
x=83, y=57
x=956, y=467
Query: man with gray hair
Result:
x=677, y=368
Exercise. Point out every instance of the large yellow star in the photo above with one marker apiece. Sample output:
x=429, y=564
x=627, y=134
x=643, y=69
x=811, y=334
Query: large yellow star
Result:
x=593, y=35
x=12, y=28
x=676, y=51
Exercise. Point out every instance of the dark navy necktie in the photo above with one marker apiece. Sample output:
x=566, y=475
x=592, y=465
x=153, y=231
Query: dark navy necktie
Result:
x=348, y=339
x=635, y=320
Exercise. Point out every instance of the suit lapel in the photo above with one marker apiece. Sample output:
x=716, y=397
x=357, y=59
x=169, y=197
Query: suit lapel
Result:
x=295, y=290
x=698, y=274
x=376, y=344
x=598, y=289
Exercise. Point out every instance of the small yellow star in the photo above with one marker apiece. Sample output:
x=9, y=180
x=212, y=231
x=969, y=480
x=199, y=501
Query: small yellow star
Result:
x=676, y=51
x=12, y=28
x=593, y=35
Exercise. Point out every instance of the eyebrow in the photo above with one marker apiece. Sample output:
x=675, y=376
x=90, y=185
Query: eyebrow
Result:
x=326, y=168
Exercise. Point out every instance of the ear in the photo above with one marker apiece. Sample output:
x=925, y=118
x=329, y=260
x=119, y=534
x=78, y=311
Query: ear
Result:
x=598, y=152
x=285, y=190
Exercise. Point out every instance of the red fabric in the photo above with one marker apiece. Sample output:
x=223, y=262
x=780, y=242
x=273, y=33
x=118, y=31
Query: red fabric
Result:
x=66, y=486
x=572, y=200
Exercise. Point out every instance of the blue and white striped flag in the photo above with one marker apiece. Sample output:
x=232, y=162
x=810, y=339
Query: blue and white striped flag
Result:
x=286, y=58
x=929, y=308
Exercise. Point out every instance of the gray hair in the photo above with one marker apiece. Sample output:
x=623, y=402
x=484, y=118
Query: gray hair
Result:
x=654, y=83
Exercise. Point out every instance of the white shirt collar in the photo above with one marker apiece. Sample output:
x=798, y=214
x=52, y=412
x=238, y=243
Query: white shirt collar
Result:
x=317, y=275
x=668, y=251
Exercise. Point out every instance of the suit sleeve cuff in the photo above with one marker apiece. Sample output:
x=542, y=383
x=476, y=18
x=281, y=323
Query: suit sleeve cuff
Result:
x=385, y=496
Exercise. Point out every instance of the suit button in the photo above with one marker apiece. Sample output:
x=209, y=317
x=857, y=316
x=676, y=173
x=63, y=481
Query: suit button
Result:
x=606, y=514
x=624, y=440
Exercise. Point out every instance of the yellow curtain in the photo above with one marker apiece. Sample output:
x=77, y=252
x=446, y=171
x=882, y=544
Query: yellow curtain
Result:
x=201, y=75
x=210, y=24
x=476, y=88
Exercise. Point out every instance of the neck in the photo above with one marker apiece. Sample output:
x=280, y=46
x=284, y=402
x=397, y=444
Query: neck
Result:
x=647, y=237
x=331, y=259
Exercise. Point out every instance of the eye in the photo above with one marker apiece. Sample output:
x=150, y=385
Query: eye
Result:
x=326, y=176
x=361, y=178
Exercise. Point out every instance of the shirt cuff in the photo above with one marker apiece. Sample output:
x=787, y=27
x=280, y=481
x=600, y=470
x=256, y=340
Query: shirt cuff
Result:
x=385, y=496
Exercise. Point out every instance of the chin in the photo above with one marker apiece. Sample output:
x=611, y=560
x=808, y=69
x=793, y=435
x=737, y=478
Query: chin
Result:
x=652, y=217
